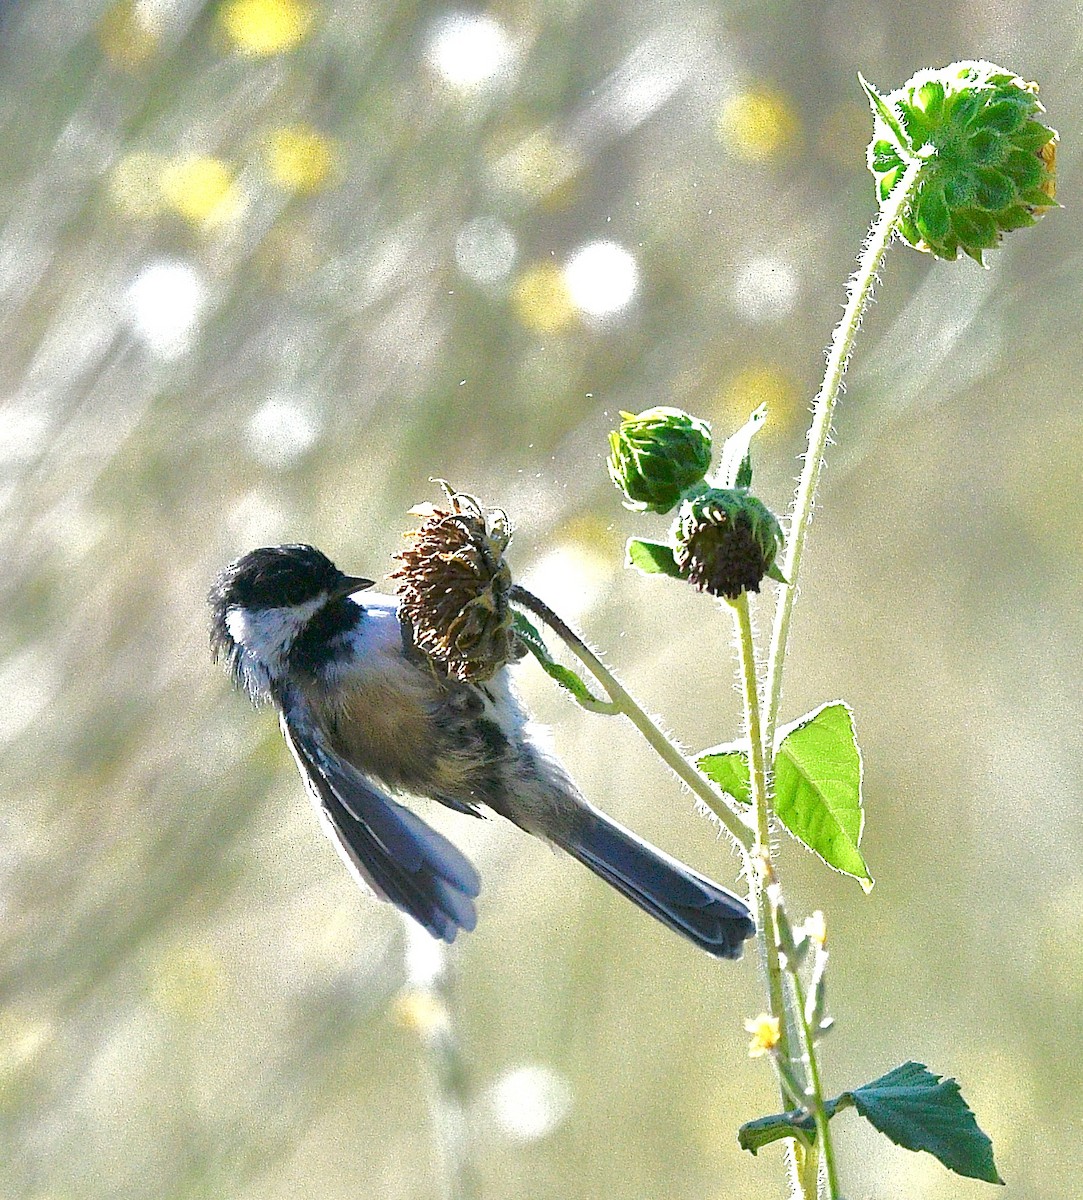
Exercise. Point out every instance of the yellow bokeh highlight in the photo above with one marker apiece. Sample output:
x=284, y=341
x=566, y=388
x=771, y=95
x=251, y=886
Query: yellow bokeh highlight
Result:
x=135, y=184
x=300, y=158
x=757, y=125
x=541, y=298
x=542, y=168
x=203, y=190
x=186, y=982
x=128, y=34
x=761, y=383
x=263, y=27
x=23, y=1038
x=421, y=1011
x=592, y=536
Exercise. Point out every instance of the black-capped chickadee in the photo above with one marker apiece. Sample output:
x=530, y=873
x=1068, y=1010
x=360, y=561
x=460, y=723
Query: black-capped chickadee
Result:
x=360, y=706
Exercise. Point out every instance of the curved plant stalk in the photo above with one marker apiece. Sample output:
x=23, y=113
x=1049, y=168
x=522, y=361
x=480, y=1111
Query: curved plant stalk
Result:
x=670, y=753
x=842, y=344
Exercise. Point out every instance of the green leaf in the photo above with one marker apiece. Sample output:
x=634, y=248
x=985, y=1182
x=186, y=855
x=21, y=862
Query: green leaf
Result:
x=817, y=784
x=728, y=767
x=652, y=558
x=735, y=465
x=818, y=787
x=565, y=676
x=920, y=1111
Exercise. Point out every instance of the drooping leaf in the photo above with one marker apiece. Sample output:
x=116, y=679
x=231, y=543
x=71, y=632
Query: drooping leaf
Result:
x=920, y=1111
x=565, y=676
x=818, y=787
x=728, y=767
x=652, y=558
x=910, y=1105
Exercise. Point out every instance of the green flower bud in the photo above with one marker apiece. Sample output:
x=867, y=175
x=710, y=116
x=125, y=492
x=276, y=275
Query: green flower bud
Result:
x=726, y=541
x=658, y=455
x=991, y=161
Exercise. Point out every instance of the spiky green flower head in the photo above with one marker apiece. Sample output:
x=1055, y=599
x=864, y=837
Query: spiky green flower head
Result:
x=658, y=455
x=990, y=161
x=726, y=541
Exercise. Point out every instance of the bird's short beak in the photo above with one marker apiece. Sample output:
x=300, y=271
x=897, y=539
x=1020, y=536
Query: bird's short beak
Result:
x=350, y=584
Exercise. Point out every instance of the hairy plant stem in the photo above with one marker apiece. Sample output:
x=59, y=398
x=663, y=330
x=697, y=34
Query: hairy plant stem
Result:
x=805, y=1161
x=816, y=1094
x=766, y=938
x=670, y=753
x=842, y=344
x=787, y=1005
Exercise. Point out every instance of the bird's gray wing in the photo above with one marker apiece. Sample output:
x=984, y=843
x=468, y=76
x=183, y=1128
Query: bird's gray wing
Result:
x=388, y=847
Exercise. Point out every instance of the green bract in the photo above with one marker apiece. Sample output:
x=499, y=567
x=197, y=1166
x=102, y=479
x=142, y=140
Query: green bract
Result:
x=990, y=160
x=726, y=541
x=656, y=456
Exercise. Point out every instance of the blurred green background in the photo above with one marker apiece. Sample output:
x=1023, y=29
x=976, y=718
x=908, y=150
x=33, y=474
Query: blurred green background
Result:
x=267, y=266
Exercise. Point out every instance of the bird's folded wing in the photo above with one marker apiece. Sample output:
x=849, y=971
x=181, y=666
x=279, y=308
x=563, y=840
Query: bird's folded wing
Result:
x=388, y=847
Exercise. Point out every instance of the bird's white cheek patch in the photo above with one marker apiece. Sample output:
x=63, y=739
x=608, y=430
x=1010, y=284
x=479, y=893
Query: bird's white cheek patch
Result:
x=266, y=635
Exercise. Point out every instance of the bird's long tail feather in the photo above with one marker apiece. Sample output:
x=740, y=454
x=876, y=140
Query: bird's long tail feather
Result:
x=681, y=898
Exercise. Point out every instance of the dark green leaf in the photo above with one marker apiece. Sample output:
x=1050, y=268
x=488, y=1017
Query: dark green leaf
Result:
x=818, y=787
x=565, y=676
x=920, y=1111
x=728, y=767
x=652, y=558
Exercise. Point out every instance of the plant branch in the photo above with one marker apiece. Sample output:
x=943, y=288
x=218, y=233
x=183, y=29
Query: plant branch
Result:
x=667, y=750
x=842, y=344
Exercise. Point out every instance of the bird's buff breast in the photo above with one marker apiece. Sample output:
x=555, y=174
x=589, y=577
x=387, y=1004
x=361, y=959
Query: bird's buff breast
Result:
x=383, y=730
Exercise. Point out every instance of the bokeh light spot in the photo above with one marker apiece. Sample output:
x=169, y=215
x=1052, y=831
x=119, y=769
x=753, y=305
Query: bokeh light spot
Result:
x=485, y=250
x=762, y=383
x=765, y=288
x=186, y=982
x=203, y=190
x=421, y=1011
x=135, y=184
x=28, y=683
x=24, y=430
x=541, y=167
x=257, y=518
x=165, y=302
x=469, y=50
x=129, y=34
x=23, y=1037
x=281, y=431
x=572, y=575
x=300, y=158
x=542, y=300
x=757, y=125
x=263, y=27
x=601, y=278
x=529, y=1102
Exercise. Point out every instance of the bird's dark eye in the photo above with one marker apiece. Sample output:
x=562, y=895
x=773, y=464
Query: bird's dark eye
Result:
x=296, y=593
